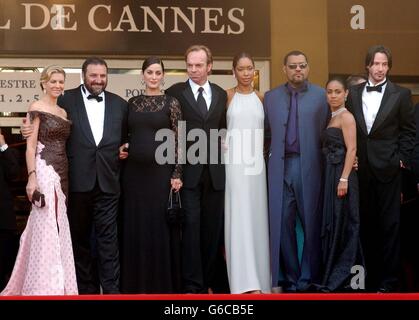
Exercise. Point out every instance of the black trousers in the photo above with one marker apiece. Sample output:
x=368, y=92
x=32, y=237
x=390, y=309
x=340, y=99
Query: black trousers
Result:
x=379, y=229
x=92, y=216
x=202, y=234
x=9, y=245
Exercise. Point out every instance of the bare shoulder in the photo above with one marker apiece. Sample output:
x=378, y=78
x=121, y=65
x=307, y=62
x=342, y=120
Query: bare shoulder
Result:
x=230, y=93
x=260, y=95
x=36, y=106
x=62, y=112
x=347, y=119
x=347, y=116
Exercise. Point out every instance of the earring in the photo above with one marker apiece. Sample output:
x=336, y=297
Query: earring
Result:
x=44, y=91
x=162, y=83
x=142, y=82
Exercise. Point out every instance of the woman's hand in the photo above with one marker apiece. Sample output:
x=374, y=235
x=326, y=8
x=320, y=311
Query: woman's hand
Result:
x=31, y=186
x=176, y=184
x=123, y=151
x=342, y=188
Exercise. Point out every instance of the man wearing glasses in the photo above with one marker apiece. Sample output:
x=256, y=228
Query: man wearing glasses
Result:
x=295, y=114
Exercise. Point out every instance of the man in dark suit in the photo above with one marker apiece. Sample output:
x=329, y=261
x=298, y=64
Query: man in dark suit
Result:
x=204, y=108
x=98, y=124
x=98, y=121
x=415, y=154
x=9, y=170
x=296, y=113
x=385, y=136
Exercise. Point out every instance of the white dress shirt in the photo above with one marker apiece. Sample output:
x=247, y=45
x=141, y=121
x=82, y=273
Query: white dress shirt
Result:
x=207, y=93
x=95, y=113
x=371, y=102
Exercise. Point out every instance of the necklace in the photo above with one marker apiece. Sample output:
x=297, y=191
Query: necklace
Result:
x=340, y=110
x=236, y=89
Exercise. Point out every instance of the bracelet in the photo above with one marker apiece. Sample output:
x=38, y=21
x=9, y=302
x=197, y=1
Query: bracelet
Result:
x=30, y=172
x=343, y=180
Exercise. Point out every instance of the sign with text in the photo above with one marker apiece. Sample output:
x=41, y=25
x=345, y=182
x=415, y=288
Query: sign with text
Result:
x=19, y=89
x=134, y=27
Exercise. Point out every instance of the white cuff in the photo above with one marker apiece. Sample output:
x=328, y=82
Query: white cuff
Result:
x=4, y=147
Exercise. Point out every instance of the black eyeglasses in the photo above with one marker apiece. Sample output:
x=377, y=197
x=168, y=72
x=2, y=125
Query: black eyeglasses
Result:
x=295, y=65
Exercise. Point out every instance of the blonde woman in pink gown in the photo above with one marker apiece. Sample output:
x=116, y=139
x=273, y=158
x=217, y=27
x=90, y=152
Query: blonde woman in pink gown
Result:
x=45, y=263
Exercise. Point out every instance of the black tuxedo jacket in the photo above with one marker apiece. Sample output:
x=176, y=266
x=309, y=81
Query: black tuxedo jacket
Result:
x=415, y=154
x=86, y=161
x=215, y=119
x=9, y=170
x=392, y=135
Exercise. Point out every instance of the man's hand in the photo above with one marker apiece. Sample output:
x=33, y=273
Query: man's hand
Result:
x=176, y=184
x=2, y=140
x=123, y=151
x=355, y=165
x=27, y=127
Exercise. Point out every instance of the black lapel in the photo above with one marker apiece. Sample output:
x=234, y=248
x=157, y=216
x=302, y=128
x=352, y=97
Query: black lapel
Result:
x=107, y=122
x=214, y=99
x=357, y=108
x=82, y=115
x=189, y=96
x=390, y=97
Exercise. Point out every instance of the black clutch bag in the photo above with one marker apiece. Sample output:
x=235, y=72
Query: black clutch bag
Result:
x=175, y=213
x=38, y=199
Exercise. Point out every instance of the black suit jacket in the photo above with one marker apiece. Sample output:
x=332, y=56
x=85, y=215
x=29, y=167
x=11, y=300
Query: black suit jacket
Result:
x=215, y=119
x=415, y=154
x=86, y=161
x=9, y=170
x=392, y=135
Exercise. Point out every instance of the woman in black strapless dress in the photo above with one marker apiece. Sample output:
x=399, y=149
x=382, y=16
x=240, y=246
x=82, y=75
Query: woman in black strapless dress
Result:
x=342, y=254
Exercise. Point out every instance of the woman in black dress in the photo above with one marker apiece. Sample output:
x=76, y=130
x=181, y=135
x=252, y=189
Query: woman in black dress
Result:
x=340, y=229
x=147, y=261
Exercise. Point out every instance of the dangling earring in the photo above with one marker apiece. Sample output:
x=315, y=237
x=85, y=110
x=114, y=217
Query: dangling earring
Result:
x=162, y=86
x=62, y=93
x=44, y=91
x=142, y=90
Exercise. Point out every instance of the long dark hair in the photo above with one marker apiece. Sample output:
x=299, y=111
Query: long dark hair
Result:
x=152, y=60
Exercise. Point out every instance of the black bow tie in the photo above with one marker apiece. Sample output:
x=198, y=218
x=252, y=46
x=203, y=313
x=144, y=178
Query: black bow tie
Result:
x=378, y=88
x=98, y=98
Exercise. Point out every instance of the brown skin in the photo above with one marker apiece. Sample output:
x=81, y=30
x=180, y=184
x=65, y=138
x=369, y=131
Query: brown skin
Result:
x=296, y=77
x=336, y=95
